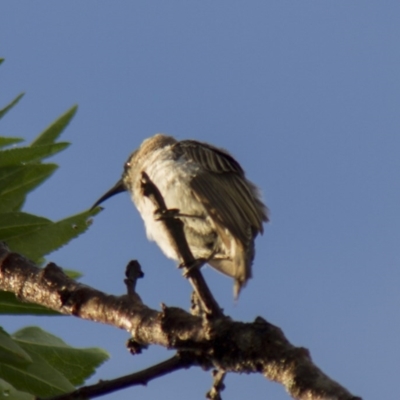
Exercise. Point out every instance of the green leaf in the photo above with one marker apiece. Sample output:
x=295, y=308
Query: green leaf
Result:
x=17, y=181
x=38, y=377
x=11, y=352
x=35, y=236
x=10, y=305
x=75, y=364
x=72, y=273
x=51, y=134
x=8, y=392
x=15, y=224
x=8, y=107
x=42, y=364
x=26, y=154
x=7, y=141
x=1, y=60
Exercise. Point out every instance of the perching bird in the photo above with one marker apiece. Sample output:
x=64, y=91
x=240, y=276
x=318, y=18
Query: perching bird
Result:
x=221, y=210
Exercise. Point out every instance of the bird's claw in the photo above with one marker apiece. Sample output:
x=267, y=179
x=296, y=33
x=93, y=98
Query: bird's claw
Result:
x=196, y=264
x=166, y=214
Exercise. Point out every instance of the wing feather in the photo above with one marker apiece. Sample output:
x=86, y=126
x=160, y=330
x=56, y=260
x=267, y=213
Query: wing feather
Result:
x=232, y=201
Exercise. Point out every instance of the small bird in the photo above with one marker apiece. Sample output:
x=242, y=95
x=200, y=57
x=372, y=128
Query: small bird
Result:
x=220, y=208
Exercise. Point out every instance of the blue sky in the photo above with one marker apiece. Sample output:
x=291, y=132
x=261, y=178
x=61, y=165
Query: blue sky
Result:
x=304, y=94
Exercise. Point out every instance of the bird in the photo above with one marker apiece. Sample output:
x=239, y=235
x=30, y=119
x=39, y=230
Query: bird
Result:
x=221, y=210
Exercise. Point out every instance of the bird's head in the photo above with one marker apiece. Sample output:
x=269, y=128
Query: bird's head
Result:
x=137, y=158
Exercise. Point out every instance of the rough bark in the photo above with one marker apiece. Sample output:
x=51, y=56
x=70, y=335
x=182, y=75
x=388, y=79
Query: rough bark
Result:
x=219, y=342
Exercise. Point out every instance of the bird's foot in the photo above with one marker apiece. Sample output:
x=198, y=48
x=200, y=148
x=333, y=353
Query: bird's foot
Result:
x=173, y=213
x=195, y=265
x=166, y=214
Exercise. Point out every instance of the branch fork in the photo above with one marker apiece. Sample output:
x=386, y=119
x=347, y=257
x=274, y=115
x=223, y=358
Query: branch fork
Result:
x=205, y=338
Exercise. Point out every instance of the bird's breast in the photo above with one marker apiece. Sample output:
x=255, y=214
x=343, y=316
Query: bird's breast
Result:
x=172, y=177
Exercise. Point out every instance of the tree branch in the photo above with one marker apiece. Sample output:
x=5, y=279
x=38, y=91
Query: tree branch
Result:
x=227, y=345
x=138, y=378
x=174, y=227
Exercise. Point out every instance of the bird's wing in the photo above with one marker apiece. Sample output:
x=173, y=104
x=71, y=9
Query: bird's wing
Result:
x=232, y=201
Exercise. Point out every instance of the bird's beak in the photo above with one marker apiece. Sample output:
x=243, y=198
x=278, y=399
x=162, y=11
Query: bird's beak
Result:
x=117, y=188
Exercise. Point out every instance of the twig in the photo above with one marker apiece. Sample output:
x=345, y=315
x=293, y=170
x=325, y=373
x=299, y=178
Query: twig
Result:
x=138, y=378
x=176, y=232
x=133, y=272
x=218, y=385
